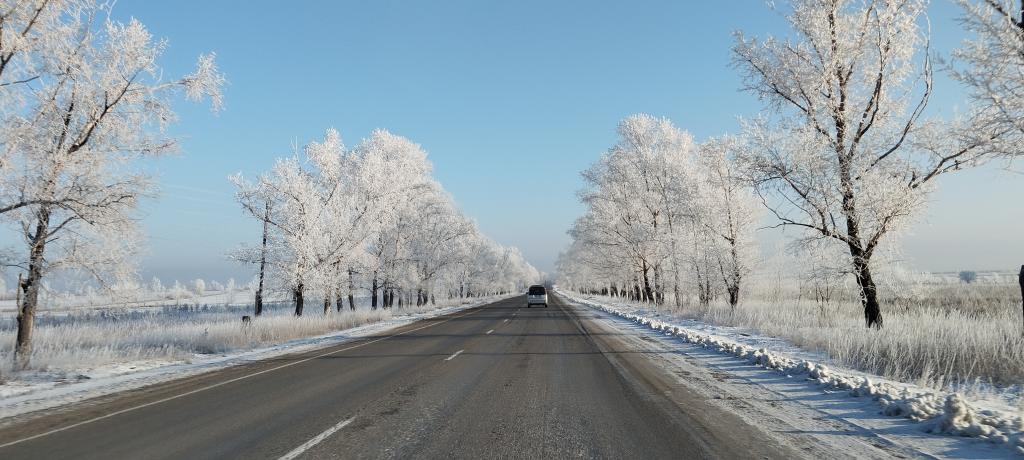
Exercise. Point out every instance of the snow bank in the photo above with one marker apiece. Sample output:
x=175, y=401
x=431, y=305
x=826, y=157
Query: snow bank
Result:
x=938, y=412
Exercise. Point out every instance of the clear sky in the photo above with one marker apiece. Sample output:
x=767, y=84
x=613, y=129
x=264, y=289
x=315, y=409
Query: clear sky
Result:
x=511, y=99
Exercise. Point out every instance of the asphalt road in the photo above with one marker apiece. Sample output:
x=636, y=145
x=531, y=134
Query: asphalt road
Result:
x=498, y=381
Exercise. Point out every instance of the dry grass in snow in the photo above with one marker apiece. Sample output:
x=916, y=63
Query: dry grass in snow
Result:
x=75, y=343
x=939, y=332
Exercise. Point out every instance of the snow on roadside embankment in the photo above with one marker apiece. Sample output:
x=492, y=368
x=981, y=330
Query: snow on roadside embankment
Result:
x=37, y=390
x=937, y=412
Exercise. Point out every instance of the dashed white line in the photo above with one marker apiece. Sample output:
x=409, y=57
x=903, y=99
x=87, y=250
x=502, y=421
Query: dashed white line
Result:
x=457, y=353
x=490, y=331
x=316, y=440
x=506, y=320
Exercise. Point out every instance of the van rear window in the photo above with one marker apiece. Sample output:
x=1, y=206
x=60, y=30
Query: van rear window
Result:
x=537, y=290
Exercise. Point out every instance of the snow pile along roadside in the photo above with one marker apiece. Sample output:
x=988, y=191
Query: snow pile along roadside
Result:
x=938, y=412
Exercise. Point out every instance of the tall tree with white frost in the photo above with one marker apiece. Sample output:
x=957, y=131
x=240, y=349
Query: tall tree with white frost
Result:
x=728, y=210
x=844, y=148
x=100, y=105
x=634, y=195
x=257, y=202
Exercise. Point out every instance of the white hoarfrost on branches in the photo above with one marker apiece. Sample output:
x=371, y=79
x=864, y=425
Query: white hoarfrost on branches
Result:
x=728, y=212
x=843, y=150
x=369, y=219
x=665, y=218
x=93, y=101
x=993, y=72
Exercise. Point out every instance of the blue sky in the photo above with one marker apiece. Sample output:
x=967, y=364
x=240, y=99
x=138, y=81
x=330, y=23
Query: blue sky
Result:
x=510, y=99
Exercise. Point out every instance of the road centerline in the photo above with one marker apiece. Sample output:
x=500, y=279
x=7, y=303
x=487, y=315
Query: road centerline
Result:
x=457, y=353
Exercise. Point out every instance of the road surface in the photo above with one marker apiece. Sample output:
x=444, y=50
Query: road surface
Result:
x=498, y=381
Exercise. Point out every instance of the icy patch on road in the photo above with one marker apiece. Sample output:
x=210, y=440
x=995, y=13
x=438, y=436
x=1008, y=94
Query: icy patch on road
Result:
x=937, y=412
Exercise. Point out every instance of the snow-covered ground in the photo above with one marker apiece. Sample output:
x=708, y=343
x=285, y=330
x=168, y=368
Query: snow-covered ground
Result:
x=809, y=387
x=27, y=392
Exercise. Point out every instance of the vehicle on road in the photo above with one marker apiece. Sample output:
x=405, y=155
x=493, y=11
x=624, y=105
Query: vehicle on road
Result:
x=537, y=295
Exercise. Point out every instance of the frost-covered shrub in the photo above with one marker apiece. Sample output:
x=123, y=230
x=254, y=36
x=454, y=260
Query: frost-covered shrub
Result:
x=156, y=286
x=199, y=285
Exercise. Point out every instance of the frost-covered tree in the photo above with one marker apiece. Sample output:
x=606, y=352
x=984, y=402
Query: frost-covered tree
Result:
x=843, y=150
x=994, y=73
x=663, y=217
x=257, y=202
x=69, y=189
x=728, y=211
x=338, y=220
x=634, y=196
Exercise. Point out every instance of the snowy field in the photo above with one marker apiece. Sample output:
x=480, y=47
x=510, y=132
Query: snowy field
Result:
x=87, y=350
x=990, y=414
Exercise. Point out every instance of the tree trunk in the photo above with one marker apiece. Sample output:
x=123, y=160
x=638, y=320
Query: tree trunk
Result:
x=1020, y=278
x=868, y=291
x=263, y=262
x=737, y=276
x=297, y=295
x=327, y=305
x=259, y=302
x=351, y=292
x=29, y=287
x=648, y=293
x=659, y=287
x=734, y=295
x=339, y=302
x=373, y=292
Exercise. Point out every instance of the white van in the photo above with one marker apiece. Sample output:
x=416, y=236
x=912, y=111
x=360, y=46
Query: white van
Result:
x=537, y=295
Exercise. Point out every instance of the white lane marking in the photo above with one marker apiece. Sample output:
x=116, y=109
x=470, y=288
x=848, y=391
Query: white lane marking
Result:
x=457, y=353
x=215, y=385
x=316, y=440
x=490, y=331
x=506, y=320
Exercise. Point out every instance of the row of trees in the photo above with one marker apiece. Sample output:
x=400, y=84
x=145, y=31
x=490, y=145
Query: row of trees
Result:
x=81, y=97
x=339, y=221
x=843, y=151
x=665, y=217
